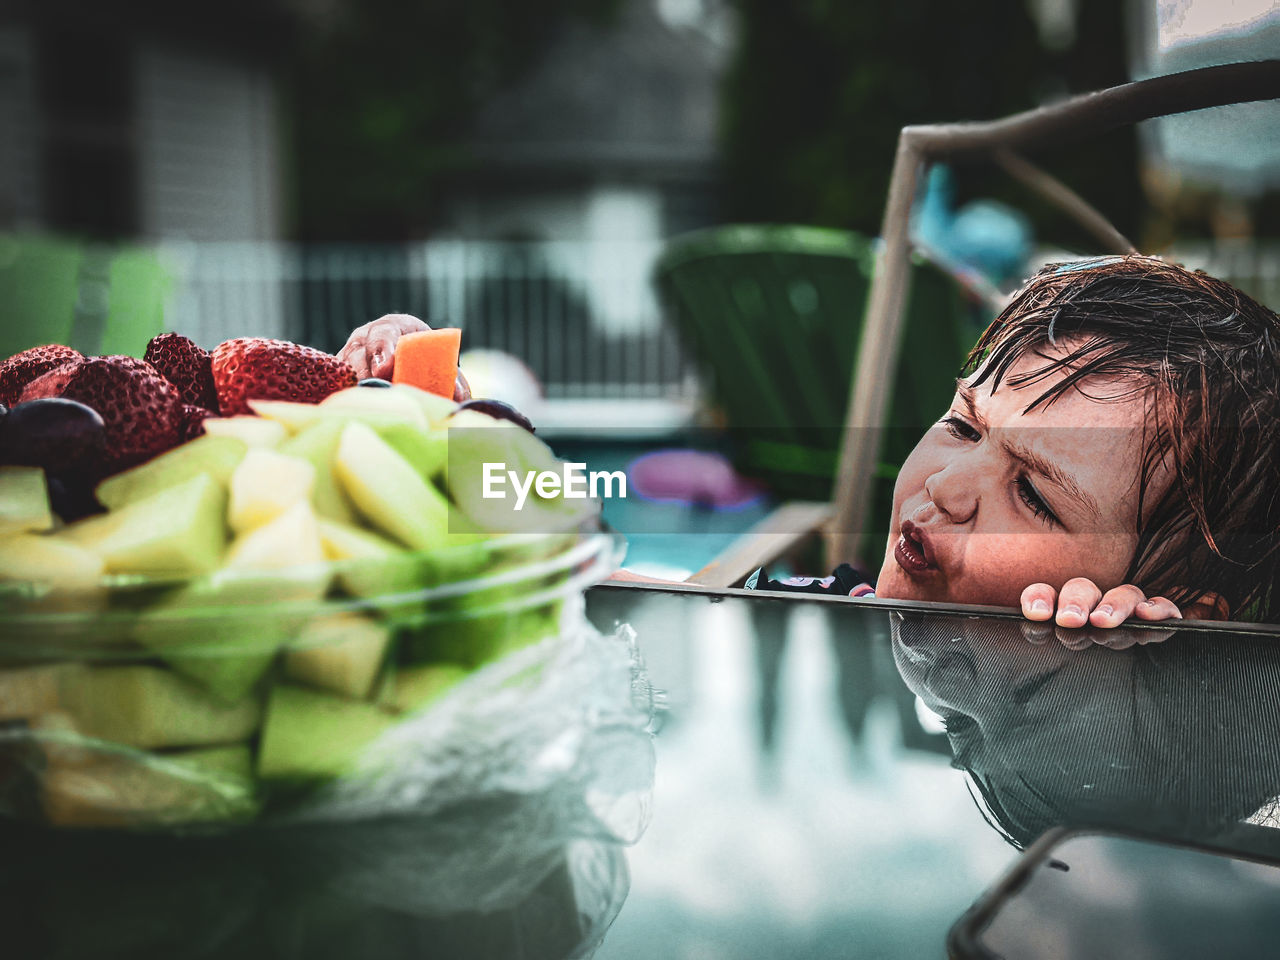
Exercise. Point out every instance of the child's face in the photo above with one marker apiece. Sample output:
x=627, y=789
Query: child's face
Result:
x=992, y=499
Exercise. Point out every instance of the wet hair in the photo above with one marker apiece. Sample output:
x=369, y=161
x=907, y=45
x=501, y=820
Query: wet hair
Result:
x=1210, y=357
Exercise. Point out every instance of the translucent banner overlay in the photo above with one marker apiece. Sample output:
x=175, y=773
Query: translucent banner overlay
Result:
x=960, y=478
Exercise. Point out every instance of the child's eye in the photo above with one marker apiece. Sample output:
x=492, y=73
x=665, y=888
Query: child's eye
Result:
x=960, y=429
x=1039, y=509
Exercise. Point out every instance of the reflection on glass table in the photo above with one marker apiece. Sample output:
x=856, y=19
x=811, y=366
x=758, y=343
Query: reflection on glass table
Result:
x=842, y=778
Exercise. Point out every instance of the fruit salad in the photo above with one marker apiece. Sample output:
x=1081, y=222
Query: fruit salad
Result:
x=223, y=575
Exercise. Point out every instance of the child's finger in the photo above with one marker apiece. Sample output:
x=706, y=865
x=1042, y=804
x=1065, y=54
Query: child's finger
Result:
x=356, y=357
x=381, y=341
x=1157, y=608
x=1038, y=601
x=461, y=389
x=1116, y=606
x=1076, y=600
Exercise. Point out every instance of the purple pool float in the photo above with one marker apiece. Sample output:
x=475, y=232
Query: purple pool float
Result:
x=693, y=478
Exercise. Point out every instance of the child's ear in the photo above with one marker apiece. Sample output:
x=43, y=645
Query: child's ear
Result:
x=1209, y=606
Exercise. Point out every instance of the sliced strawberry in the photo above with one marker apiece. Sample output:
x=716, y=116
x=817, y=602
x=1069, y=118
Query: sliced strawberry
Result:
x=142, y=411
x=255, y=368
x=186, y=365
x=20, y=369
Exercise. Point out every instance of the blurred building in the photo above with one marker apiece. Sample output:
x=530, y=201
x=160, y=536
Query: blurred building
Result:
x=142, y=119
x=608, y=145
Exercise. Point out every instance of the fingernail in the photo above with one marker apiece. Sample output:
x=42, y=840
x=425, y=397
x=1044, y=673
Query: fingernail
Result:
x=1074, y=611
x=377, y=358
x=1147, y=603
x=1106, y=610
x=1039, y=606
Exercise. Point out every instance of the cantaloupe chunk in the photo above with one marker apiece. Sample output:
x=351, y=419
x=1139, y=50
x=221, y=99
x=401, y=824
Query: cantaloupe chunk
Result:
x=428, y=360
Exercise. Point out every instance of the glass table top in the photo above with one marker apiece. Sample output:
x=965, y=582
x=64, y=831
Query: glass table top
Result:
x=843, y=778
x=834, y=778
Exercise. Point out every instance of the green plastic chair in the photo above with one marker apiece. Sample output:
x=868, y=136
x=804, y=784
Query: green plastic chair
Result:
x=98, y=299
x=773, y=317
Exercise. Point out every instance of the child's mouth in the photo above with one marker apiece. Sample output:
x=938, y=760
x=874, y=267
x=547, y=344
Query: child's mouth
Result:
x=911, y=552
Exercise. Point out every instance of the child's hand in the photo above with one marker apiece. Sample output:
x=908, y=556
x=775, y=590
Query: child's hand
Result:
x=371, y=349
x=1081, y=603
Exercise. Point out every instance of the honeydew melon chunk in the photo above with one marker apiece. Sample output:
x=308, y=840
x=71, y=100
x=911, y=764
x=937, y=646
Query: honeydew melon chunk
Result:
x=308, y=735
x=476, y=440
x=435, y=408
x=291, y=539
x=251, y=605
x=224, y=632
x=28, y=692
x=57, y=564
x=368, y=564
x=290, y=414
x=375, y=406
x=216, y=456
x=387, y=491
x=24, y=500
x=341, y=653
x=477, y=640
x=178, y=531
x=97, y=789
x=254, y=431
x=413, y=687
x=265, y=485
x=426, y=450
x=141, y=706
x=317, y=444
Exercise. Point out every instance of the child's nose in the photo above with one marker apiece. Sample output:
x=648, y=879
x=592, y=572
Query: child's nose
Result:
x=953, y=491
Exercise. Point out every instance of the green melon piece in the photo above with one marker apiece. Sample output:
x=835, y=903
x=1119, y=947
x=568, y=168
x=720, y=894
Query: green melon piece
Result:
x=435, y=408
x=293, y=416
x=231, y=762
x=178, y=531
x=27, y=692
x=114, y=790
x=55, y=563
x=265, y=485
x=24, y=500
x=388, y=492
x=369, y=565
x=476, y=440
x=427, y=451
x=413, y=687
x=216, y=456
x=149, y=707
x=341, y=653
x=375, y=406
x=224, y=632
x=309, y=735
x=254, y=431
x=477, y=640
x=250, y=606
x=317, y=444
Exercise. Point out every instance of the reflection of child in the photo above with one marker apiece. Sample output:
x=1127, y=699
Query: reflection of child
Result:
x=1177, y=737
x=1114, y=452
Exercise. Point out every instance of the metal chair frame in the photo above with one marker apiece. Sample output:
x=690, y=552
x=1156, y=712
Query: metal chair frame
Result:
x=1002, y=142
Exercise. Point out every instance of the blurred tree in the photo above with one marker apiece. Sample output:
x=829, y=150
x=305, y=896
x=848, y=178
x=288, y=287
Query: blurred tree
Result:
x=819, y=89
x=382, y=92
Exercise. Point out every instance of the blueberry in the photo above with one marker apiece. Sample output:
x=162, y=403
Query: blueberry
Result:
x=499, y=411
x=54, y=433
x=374, y=382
